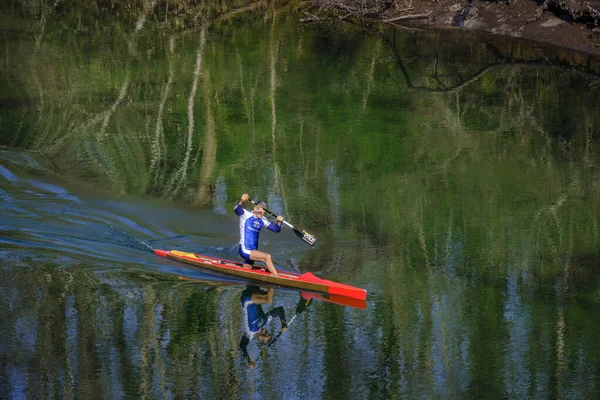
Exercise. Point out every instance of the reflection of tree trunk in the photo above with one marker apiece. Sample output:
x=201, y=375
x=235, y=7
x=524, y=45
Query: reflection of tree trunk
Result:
x=421, y=232
x=449, y=241
x=7, y=49
x=132, y=42
x=273, y=82
x=391, y=43
x=86, y=321
x=105, y=156
x=147, y=339
x=394, y=48
x=333, y=192
x=180, y=176
x=110, y=362
x=35, y=74
x=95, y=148
x=132, y=50
x=302, y=157
x=560, y=351
x=38, y=44
x=247, y=102
x=109, y=113
x=158, y=144
x=252, y=97
x=209, y=154
x=362, y=195
x=274, y=47
x=560, y=323
x=370, y=77
x=72, y=334
x=159, y=369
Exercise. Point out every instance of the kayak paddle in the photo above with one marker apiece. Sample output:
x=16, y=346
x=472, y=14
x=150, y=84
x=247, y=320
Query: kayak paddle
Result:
x=300, y=308
x=302, y=234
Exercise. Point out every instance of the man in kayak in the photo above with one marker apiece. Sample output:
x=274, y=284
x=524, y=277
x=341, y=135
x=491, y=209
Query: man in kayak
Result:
x=251, y=224
x=255, y=318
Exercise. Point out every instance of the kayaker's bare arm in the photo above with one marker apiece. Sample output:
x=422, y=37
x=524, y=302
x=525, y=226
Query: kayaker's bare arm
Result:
x=239, y=211
x=262, y=297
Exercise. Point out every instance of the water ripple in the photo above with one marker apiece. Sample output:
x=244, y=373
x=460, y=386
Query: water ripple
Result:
x=6, y=174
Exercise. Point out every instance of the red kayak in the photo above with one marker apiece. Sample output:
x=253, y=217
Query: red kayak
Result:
x=305, y=282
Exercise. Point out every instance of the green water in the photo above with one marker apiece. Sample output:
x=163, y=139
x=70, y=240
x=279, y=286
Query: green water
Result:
x=455, y=177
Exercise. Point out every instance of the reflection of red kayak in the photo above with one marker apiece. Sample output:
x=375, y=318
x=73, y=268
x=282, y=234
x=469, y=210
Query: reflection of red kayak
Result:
x=305, y=282
x=335, y=299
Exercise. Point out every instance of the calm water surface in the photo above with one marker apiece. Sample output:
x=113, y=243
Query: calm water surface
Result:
x=455, y=178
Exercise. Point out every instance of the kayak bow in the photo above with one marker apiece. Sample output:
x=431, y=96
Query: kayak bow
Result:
x=306, y=281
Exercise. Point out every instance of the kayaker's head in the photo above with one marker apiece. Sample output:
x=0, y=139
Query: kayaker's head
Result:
x=259, y=209
x=263, y=336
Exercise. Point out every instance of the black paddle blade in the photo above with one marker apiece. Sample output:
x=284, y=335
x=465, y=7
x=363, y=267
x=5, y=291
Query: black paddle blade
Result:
x=306, y=237
x=302, y=305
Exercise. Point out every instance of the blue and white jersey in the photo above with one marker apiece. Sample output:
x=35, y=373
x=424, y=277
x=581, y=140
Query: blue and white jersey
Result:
x=253, y=314
x=250, y=227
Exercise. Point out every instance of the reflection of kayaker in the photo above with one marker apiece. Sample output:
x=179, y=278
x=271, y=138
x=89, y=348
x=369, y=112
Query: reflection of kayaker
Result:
x=255, y=318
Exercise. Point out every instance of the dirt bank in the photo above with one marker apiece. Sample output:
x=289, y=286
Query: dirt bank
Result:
x=566, y=23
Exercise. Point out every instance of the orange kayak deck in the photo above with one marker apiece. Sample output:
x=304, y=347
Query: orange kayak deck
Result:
x=306, y=281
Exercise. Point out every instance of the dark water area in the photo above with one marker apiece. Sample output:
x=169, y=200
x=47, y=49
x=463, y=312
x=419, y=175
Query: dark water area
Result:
x=454, y=177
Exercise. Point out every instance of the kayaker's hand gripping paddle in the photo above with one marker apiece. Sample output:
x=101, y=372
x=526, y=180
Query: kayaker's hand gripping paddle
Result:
x=302, y=234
